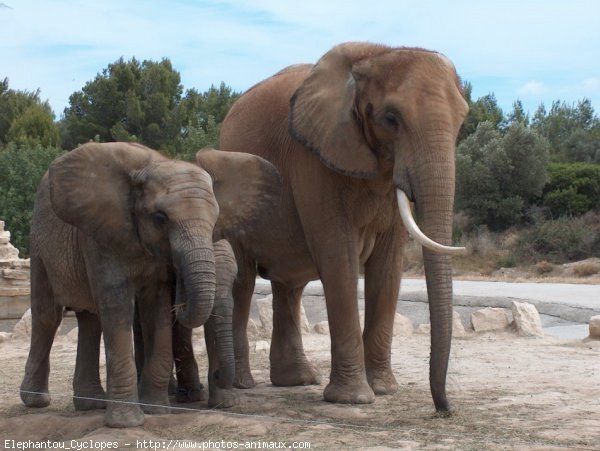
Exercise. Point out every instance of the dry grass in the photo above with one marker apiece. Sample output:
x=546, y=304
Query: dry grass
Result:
x=586, y=269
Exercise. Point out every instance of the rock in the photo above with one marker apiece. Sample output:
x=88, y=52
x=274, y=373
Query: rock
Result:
x=424, y=329
x=72, y=335
x=489, y=319
x=198, y=333
x=458, y=330
x=7, y=251
x=252, y=329
x=527, y=319
x=595, y=327
x=304, y=324
x=22, y=329
x=322, y=328
x=403, y=326
x=265, y=313
x=262, y=345
x=5, y=336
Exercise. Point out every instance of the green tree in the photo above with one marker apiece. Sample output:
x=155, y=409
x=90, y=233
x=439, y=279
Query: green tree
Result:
x=484, y=109
x=517, y=115
x=572, y=189
x=21, y=169
x=573, y=131
x=203, y=113
x=24, y=118
x=499, y=175
x=128, y=101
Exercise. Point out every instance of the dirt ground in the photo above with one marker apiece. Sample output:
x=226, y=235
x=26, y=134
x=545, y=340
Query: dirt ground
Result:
x=507, y=392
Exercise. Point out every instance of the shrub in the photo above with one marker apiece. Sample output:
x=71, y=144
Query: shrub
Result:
x=21, y=169
x=544, y=267
x=586, y=269
x=499, y=175
x=559, y=240
x=572, y=189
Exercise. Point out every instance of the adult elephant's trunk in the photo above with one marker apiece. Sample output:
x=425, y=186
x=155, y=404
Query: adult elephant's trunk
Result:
x=434, y=200
x=194, y=261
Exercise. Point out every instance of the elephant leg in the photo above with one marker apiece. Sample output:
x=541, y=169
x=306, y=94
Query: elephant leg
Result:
x=243, y=289
x=115, y=301
x=88, y=393
x=383, y=271
x=220, y=379
x=289, y=365
x=348, y=381
x=218, y=331
x=45, y=319
x=154, y=308
x=189, y=388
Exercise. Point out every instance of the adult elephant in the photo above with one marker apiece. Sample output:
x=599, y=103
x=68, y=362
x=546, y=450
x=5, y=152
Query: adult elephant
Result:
x=366, y=129
x=117, y=221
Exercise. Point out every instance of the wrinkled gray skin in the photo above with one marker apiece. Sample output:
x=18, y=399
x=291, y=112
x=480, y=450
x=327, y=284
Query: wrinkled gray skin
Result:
x=348, y=135
x=219, y=342
x=117, y=222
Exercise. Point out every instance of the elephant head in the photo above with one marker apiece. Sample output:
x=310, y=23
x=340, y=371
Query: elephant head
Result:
x=135, y=203
x=374, y=111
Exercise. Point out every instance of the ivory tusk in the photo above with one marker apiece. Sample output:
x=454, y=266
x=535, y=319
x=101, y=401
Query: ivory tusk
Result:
x=415, y=232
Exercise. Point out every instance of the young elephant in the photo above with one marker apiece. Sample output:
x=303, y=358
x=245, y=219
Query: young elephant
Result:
x=218, y=335
x=116, y=221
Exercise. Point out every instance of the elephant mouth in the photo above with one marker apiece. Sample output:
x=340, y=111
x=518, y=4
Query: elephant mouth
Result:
x=415, y=232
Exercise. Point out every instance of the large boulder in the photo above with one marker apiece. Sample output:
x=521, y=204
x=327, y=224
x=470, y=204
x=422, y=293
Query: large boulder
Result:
x=489, y=319
x=22, y=329
x=403, y=327
x=265, y=313
x=527, y=319
x=595, y=327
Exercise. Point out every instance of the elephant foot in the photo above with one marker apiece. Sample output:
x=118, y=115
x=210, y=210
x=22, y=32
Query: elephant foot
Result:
x=356, y=393
x=37, y=399
x=89, y=401
x=123, y=415
x=303, y=373
x=221, y=398
x=155, y=405
x=382, y=381
x=243, y=378
x=189, y=395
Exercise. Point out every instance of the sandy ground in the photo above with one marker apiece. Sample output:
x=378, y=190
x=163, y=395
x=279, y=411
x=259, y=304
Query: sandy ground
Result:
x=507, y=392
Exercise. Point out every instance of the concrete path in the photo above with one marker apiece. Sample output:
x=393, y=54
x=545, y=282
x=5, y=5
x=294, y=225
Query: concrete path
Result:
x=565, y=309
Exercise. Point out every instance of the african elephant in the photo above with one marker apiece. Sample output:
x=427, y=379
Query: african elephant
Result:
x=355, y=137
x=118, y=221
x=219, y=342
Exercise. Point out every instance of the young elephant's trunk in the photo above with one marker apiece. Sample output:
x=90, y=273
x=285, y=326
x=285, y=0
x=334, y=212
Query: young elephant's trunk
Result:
x=194, y=261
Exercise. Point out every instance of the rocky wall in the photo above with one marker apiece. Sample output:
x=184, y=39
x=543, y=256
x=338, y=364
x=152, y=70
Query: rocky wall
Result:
x=14, y=279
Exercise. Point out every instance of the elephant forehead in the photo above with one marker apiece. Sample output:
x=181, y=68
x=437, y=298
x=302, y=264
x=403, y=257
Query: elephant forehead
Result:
x=175, y=172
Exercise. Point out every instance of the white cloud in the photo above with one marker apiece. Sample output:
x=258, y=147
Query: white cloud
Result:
x=531, y=88
x=591, y=85
x=58, y=46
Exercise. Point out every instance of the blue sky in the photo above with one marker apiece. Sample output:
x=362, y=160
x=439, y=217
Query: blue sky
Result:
x=537, y=50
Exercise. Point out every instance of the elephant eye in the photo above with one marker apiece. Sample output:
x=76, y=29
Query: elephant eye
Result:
x=159, y=218
x=391, y=120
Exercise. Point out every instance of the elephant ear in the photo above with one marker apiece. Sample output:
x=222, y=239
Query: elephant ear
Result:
x=323, y=114
x=90, y=189
x=246, y=187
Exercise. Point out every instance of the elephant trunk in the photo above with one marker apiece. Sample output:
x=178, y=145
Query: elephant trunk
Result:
x=434, y=201
x=194, y=261
x=223, y=312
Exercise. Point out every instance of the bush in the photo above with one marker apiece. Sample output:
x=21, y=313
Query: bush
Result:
x=21, y=169
x=586, y=269
x=559, y=240
x=572, y=189
x=500, y=175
